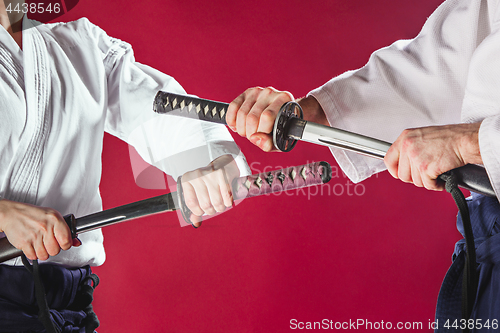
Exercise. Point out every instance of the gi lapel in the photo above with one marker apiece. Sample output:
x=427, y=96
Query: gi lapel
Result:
x=12, y=66
x=25, y=173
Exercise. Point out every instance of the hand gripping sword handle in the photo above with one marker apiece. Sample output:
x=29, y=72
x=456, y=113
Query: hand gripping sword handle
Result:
x=243, y=187
x=315, y=173
x=215, y=112
x=289, y=128
x=190, y=107
x=8, y=251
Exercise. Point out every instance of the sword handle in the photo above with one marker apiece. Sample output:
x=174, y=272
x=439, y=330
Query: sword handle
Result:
x=316, y=173
x=472, y=177
x=269, y=182
x=8, y=251
x=215, y=112
x=190, y=107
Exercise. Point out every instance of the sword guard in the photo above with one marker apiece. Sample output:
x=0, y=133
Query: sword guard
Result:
x=287, y=112
x=185, y=211
x=71, y=222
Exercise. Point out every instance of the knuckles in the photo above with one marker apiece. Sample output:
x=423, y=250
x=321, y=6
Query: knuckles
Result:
x=253, y=120
x=192, y=204
x=54, y=251
x=206, y=206
x=268, y=116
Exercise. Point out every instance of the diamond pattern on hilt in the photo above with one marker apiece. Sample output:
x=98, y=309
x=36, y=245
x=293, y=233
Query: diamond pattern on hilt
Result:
x=281, y=177
x=247, y=184
x=292, y=174
x=269, y=178
x=303, y=173
x=258, y=182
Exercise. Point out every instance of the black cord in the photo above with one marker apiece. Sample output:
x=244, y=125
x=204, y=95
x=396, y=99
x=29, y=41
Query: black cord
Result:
x=41, y=298
x=470, y=279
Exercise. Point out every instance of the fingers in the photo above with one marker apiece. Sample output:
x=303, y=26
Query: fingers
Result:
x=416, y=178
x=404, y=169
x=38, y=232
x=190, y=199
x=208, y=190
x=207, y=195
x=41, y=251
x=420, y=155
x=232, y=111
x=42, y=245
x=196, y=220
x=62, y=233
x=29, y=251
x=391, y=160
x=255, y=111
x=263, y=141
x=55, y=236
x=194, y=191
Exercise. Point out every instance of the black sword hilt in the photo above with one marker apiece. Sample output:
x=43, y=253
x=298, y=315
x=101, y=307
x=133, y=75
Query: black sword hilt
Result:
x=472, y=177
x=215, y=112
x=190, y=107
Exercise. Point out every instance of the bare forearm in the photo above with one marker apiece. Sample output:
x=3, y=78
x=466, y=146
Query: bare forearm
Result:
x=312, y=110
x=469, y=144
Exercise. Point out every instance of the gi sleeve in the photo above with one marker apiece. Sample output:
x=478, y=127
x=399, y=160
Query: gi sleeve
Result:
x=482, y=101
x=489, y=146
x=412, y=83
x=174, y=145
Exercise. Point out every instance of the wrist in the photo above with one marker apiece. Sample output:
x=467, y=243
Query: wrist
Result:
x=469, y=144
x=312, y=110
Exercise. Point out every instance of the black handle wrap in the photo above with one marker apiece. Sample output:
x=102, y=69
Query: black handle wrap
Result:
x=190, y=107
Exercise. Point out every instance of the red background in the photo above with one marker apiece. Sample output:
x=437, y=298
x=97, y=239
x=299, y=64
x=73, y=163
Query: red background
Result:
x=379, y=256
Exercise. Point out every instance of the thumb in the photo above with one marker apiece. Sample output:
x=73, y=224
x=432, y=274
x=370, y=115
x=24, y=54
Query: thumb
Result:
x=196, y=220
x=263, y=141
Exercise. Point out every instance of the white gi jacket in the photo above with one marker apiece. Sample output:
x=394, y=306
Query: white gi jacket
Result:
x=449, y=73
x=69, y=84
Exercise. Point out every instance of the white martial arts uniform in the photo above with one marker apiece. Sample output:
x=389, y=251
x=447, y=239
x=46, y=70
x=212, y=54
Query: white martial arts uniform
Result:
x=449, y=73
x=70, y=84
